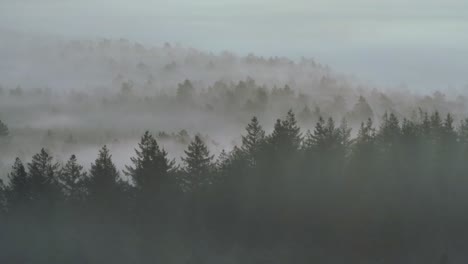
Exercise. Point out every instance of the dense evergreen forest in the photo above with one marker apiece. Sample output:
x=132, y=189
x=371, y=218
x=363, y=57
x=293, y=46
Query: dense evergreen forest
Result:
x=394, y=193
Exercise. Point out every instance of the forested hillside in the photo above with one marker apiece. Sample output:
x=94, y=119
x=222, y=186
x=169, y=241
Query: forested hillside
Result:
x=291, y=195
x=71, y=97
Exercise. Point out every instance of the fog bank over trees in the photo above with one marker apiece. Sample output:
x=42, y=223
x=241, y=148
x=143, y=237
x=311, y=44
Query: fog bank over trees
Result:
x=74, y=96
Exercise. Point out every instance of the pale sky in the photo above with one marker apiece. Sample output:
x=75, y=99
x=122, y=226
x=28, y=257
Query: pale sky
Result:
x=423, y=43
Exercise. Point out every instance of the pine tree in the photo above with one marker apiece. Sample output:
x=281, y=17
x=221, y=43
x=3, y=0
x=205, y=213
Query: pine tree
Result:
x=286, y=136
x=362, y=159
x=449, y=133
x=327, y=137
x=389, y=132
x=104, y=183
x=436, y=120
x=43, y=173
x=365, y=141
x=252, y=141
x=198, y=164
x=223, y=162
x=3, y=200
x=152, y=175
x=72, y=179
x=18, y=191
x=293, y=129
x=344, y=135
x=463, y=133
x=3, y=130
x=151, y=167
x=426, y=125
x=313, y=138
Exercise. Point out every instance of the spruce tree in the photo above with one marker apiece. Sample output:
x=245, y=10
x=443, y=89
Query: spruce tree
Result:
x=389, y=132
x=326, y=136
x=198, y=164
x=72, y=179
x=364, y=144
x=152, y=174
x=449, y=133
x=18, y=191
x=253, y=140
x=409, y=131
x=463, y=133
x=286, y=136
x=103, y=183
x=362, y=158
x=344, y=135
x=3, y=201
x=3, y=130
x=151, y=166
x=312, y=139
x=43, y=174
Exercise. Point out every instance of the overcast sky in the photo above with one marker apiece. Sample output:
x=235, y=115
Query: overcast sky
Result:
x=423, y=43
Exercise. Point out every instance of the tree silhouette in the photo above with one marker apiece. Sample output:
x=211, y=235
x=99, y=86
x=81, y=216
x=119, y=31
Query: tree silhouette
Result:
x=286, y=135
x=253, y=140
x=43, y=174
x=3, y=130
x=198, y=164
x=72, y=179
x=104, y=184
x=151, y=166
x=18, y=191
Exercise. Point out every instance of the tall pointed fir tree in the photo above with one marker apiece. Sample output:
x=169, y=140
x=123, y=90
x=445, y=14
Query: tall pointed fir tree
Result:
x=3, y=200
x=3, y=130
x=104, y=184
x=18, y=191
x=72, y=179
x=366, y=134
x=43, y=173
x=151, y=167
x=252, y=141
x=327, y=137
x=286, y=137
x=152, y=174
x=389, y=133
x=198, y=164
x=463, y=134
x=363, y=155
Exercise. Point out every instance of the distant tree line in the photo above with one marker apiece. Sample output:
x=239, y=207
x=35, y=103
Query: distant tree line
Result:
x=281, y=197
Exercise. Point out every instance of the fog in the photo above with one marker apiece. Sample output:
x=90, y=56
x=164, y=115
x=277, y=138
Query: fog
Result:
x=386, y=42
x=57, y=91
x=233, y=131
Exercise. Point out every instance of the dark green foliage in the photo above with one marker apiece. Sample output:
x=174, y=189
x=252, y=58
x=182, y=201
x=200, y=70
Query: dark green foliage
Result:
x=3, y=130
x=72, y=179
x=43, y=174
x=277, y=197
x=151, y=166
x=104, y=183
x=198, y=164
x=253, y=140
x=18, y=192
x=3, y=200
x=286, y=135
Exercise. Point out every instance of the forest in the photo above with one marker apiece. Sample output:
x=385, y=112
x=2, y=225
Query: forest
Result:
x=386, y=195
x=116, y=152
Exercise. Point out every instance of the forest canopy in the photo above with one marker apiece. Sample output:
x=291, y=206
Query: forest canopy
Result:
x=116, y=152
x=290, y=189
